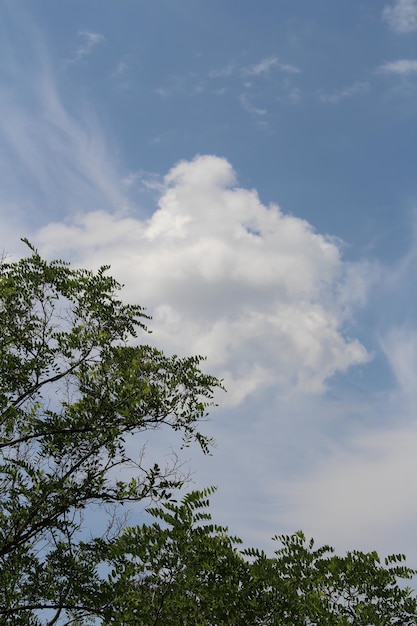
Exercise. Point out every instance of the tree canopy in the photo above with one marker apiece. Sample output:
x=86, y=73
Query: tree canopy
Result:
x=73, y=386
x=76, y=383
x=189, y=571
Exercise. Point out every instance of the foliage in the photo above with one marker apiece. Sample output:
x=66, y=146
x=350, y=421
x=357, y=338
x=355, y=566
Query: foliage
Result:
x=74, y=384
x=303, y=585
x=190, y=572
x=180, y=570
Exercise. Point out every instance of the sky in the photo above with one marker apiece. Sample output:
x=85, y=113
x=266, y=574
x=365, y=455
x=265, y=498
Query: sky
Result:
x=247, y=168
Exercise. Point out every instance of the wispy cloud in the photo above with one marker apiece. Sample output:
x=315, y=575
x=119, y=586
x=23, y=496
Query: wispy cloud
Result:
x=401, y=16
x=290, y=69
x=62, y=157
x=149, y=180
x=249, y=107
x=177, y=85
x=120, y=70
x=256, y=69
x=266, y=64
x=122, y=76
x=336, y=96
x=260, y=68
x=292, y=95
x=89, y=40
x=222, y=72
x=401, y=67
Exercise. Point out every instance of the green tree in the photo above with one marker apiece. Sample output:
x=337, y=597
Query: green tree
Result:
x=305, y=586
x=73, y=386
x=183, y=570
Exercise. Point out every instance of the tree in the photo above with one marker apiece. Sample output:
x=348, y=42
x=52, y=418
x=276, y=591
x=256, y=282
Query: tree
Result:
x=306, y=586
x=181, y=570
x=188, y=571
x=73, y=387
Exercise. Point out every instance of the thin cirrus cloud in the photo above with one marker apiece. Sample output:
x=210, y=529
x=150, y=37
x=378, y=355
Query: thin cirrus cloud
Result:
x=88, y=41
x=263, y=67
x=334, y=97
x=222, y=72
x=249, y=107
x=61, y=155
x=257, y=291
x=401, y=16
x=401, y=67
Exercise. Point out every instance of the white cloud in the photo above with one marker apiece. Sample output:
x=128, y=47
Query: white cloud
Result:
x=62, y=158
x=89, y=40
x=400, y=348
x=401, y=16
x=263, y=67
x=336, y=96
x=290, y=69
x=121, y=76
x=149, y=180
x=358, y=492
x=401, y=67
x=257, y=291
x=256, y=69
x=249, y=107
x=361, y=496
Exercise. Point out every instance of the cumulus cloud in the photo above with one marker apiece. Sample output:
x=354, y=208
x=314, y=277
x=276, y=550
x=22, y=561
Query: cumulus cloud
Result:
x=257, y=291
x=401, y=67
x=401, y=16
x=359, y=492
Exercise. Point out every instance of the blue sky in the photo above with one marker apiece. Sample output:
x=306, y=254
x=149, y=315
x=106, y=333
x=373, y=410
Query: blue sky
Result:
x=248, y=170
